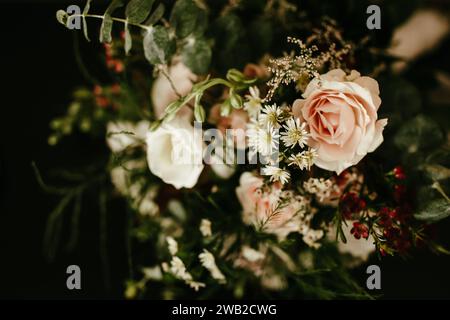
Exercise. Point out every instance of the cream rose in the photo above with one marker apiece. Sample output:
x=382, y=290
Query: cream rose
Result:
x=341, y=113
x=174, y=154
x=122, y=134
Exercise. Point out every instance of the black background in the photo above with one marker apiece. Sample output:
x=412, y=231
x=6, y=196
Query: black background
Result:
x=38, y=72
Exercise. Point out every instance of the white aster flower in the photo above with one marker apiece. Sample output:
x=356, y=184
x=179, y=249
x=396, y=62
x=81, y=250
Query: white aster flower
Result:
x=173, y=245
x=205, y=228
x=276, y=174
x=152, y=273
x=253, y=103
x=208, y=261
x=295, y=133
x=271, y=115
x=304, y=159
x=262, y=139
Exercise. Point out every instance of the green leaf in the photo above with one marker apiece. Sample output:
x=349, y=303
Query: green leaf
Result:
x=184, y=17
x=62, y=17
x=156, y=15
x=196, y=55
x=128, y=40
x=434, y=211
x=199, y=113
x=436, y=172
x=418, y=134
x=85, y=29
x=106, y=27
x=158, y=46
x=235, y=100
x=137, y=10
x=85, y=12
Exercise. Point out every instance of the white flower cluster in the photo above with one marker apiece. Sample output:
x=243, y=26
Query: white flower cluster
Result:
x=177, y=267
x=321, y=188
x=208, y=261
x=268, y=125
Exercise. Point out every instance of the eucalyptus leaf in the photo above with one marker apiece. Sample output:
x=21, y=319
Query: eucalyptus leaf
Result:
x=196, y=55
x=184, y=16
x=85, y=29
x=87, y=7
x=434, y=211
x=418, y=134
x=436, y=172
x=156, y=15
x=158, y=46
x=85, y=12
x=128, y=40
x=138, y=10
x=62, y=17
x=106, y=27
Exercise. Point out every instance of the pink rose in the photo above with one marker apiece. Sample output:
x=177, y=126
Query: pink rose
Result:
x=263, y=208
x=162, y=92
x=341, y=113
x=236, y=120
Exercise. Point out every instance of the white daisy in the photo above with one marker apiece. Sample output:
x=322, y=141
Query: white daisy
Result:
x=295, y=133
x=253, y=103
x=262, y=139
x=304, y=159
x=276, y=174
x=271, y=115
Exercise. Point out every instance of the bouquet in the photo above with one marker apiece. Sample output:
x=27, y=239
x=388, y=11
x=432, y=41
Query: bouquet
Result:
x=262, y=148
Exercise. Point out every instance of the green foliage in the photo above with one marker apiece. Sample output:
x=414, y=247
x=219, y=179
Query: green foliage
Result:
x=107, y=23
x=138, y=10
x=158, y=45
x=196, y=55
x=418, y=134
x=434, y=211
x=85, y=12
x=186, y=18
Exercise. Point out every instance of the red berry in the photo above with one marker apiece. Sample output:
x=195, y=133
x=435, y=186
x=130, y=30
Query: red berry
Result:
x=97, y=90
x=399, y=173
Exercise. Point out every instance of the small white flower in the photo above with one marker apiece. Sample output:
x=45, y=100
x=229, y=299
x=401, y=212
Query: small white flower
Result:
x=178, y=269
x=173, y=245
x=295, y=133
x=196, y=285
x=262, y=139
x=319, y=187
x=148, y=206
x=208, y=261
x=153, y=273
x=304, y=159
x=277, y=174
x=311, y=237
x=205, y=228
x=253, y=104
x=271, y=115
x=251, y=254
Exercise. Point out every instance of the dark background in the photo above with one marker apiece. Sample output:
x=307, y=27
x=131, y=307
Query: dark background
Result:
x=38, y=73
